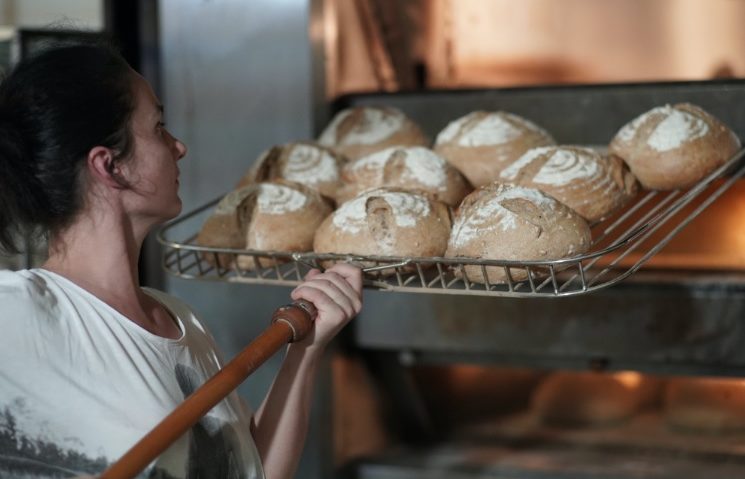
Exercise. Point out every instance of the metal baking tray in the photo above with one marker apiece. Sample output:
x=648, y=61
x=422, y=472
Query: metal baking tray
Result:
x=621, y=244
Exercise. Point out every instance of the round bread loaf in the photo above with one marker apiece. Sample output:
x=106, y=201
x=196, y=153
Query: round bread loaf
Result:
x=273, y=216
x=360, y=131
x=386, y=222
x=481, y=144
x=306, y=163
x=672, y=147
x=471, y=392
x=225, y=227
x=411, y=168
x=510, y=222
x=592, y=399
x=710, y=405
x=591, y=184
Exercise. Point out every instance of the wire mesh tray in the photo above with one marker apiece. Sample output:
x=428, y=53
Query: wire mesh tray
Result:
x=621, y=244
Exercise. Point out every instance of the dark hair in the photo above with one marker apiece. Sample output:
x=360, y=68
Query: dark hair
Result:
x=55, y=106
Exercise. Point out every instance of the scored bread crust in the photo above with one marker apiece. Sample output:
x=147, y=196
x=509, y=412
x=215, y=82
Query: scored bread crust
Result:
x=225, y=227
x=481, y=144
x=509, y=222
x=592, y=184
x=303, y=162
x=360, y=131
x=271, y=216
x=413, y=168
x=386, y=222
x=671, y=147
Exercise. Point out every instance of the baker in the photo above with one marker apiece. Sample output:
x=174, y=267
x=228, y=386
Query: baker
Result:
x=91, y=361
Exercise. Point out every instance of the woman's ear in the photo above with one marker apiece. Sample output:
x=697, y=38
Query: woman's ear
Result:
x=103, y=168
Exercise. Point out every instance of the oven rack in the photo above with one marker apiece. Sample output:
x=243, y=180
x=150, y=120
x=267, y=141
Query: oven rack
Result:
x=621, y=244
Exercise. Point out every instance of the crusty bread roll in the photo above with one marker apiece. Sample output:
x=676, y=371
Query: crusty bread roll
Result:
x=591, y=184
x=386, y=222
x=411, y=168
x=593, y=399
x=273, y=216
x=481, y=144
x=672, y=147
x=307, y=163
x=360, y=131
x=709, y=405
x=225, y=227
x=510, y=222
x=471, y=392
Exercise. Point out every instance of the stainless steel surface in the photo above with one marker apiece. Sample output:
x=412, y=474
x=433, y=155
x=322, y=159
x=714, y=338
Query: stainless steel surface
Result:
x=621, y=237
x=237, y=77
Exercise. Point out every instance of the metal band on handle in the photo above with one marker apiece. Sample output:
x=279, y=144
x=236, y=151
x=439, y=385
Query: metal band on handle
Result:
x=299, y=316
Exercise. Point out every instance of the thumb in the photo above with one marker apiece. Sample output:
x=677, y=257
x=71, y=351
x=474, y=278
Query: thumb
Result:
x=312, y=273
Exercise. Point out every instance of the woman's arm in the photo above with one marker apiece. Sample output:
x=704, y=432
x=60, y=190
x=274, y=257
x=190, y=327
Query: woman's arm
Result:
x=281, y=423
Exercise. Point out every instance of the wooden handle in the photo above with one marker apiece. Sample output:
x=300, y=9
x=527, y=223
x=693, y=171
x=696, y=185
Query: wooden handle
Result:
x=289, y=323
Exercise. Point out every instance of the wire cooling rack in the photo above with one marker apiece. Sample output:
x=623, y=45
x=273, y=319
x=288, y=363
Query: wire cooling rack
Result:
x=621, y=244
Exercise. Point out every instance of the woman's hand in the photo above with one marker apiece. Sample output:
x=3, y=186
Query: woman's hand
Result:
x=337, y=294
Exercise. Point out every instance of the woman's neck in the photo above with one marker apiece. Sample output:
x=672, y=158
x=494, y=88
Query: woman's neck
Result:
x=99, y=253
x=102, y=257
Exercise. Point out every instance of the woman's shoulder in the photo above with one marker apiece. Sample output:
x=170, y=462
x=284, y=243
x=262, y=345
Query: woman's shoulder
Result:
x=22, y=285
x=27, y=302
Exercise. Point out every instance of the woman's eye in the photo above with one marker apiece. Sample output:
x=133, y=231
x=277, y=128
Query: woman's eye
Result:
x=161, y=127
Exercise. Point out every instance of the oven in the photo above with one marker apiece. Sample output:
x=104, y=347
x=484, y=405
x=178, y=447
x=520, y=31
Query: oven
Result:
x=434, y=379
x=679, y=314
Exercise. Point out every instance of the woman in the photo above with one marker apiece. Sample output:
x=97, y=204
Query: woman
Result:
x=90, y=361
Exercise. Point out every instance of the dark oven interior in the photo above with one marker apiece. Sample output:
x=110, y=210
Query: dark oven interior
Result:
x=453, y=386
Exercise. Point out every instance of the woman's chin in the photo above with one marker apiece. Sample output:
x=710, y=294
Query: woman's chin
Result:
x=172, y=212
x=177, y=208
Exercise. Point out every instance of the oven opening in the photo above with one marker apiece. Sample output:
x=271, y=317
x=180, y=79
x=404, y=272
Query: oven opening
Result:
x=468, y=420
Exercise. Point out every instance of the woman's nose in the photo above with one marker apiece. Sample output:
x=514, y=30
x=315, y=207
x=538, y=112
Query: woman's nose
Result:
x=180, y=148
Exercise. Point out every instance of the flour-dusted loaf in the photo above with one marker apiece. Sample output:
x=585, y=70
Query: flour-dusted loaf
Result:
x=360, y=131
x=510, y=222
x=411, y=168
x=481, y=144
x=226, y=227
x=386, y=222
x=593, y=399
x=303, y=162
x=272, y=216
x=672, y=147
x=708, y=405
x=592, y=184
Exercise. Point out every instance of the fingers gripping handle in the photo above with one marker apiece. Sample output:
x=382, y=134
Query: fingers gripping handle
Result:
x=299, y=316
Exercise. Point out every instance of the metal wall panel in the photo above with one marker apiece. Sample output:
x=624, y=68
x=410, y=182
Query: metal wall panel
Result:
x=236, y=78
